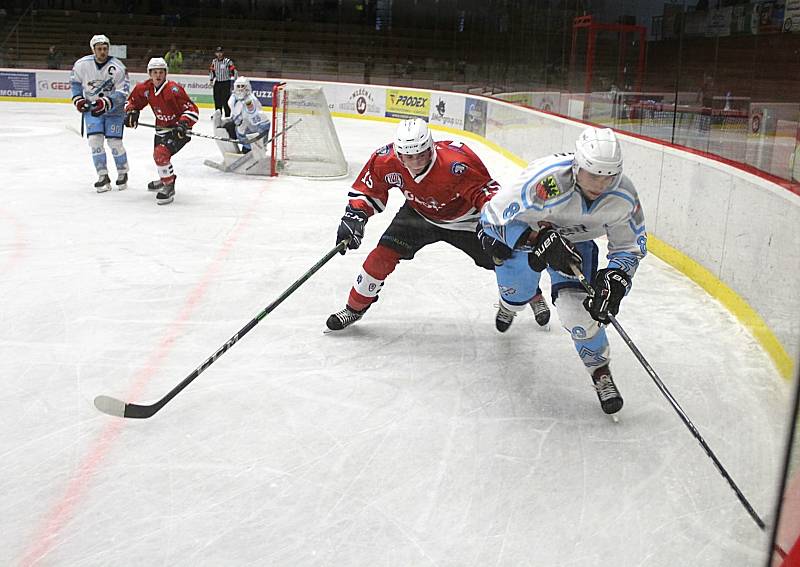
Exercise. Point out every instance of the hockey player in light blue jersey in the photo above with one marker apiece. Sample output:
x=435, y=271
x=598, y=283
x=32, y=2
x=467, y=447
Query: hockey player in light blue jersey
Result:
x=548, y=219
x=100, y=86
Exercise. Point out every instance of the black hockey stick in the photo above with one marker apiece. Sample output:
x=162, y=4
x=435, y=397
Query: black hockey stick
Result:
x=199, y=135
x=674, y=403
x=116, y=407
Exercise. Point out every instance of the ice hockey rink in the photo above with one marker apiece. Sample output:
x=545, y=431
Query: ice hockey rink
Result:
x=419, y=437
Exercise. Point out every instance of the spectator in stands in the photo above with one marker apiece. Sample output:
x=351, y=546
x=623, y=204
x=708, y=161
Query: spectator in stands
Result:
x=174, y=59
x=53, y=58
x=221, y=74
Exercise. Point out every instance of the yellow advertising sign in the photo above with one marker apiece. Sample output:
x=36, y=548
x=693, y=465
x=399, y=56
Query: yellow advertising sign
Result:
x=407, y=104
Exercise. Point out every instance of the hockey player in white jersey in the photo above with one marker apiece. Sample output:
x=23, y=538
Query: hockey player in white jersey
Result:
x=100, y=86
x=548, y=219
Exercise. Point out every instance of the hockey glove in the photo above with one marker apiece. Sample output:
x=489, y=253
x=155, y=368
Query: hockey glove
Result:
x=81, y=104
x=552, y=249
x=102, y=105
x=610, y=286
x=132, y=118
x=496, y=249
x=181, y=128
x=352, y=227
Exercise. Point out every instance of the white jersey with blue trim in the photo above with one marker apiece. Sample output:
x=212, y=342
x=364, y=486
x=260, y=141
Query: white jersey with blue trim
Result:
x=90, y=79
x=545, y=193
x=247, y=115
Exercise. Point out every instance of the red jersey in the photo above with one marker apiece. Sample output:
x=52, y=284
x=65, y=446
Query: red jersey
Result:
x=449, y=194
x=170, y=103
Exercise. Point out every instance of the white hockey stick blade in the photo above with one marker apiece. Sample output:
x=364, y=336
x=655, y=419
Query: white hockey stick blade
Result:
x=214, y=164
x=109, y=405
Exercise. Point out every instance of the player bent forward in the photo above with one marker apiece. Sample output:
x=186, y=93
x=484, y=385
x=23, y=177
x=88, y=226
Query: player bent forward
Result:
x=175, y=114
x=445, y=185
x=99, y=87
x=548, y=219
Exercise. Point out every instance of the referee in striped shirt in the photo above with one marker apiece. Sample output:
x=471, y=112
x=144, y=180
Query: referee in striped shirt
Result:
x=222, y=73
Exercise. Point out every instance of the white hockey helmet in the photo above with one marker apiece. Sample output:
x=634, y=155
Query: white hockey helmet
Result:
x=413, y=137
x=99, y=39
x=242, y=88
x=157, y=63
x=597, y=151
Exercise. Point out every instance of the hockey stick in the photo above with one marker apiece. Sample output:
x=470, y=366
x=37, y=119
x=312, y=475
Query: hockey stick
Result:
x=673, y=402
x=116, y=407
x=199, y=135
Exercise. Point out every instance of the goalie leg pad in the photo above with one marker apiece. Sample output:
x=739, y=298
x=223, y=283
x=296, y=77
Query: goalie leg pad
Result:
x=588, y=335
x=120, y=156
x=98, y=153
x=379, y=264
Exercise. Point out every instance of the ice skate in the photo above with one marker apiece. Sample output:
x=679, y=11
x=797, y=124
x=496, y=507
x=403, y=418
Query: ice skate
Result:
x=344, y=318
x=166, y=194
x=155, y=185
x=541, y=311
x=103, y=184
x=607, y=393
x=122, y=181
x=504, y=318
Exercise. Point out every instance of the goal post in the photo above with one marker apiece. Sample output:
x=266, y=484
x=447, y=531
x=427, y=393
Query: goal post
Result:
x=304, y=141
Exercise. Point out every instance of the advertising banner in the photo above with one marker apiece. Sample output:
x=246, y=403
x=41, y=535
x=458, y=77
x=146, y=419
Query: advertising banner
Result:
x=791, y=16
x=263, y=91
x=475, y=112
x=362, y=101
x=53, y=84
x=448, y=110
x=407, y=104
x=17, y=83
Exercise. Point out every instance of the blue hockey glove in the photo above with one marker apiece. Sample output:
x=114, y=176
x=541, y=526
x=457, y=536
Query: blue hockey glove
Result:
x=552, y=249
x=351, y=227
x=610, y=286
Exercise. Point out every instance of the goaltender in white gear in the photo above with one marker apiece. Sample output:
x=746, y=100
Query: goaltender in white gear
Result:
x=249, y=125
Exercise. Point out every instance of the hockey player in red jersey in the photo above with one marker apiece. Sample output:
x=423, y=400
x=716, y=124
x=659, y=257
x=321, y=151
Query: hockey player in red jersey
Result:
x=175, y=114
x=445, y=185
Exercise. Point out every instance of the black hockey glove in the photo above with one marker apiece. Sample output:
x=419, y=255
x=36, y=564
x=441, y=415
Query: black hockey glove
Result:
x=552, y=249
x=352, y=227
x=132, y=118
x=82, y=104
x=610, y=286
x=102, y=105
x=181, y=128
x=496, y=249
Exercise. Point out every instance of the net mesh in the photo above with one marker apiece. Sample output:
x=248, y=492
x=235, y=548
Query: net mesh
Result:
x=308, y=145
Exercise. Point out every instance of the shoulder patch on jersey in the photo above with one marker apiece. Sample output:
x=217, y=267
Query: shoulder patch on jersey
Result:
x=174, y=88
x=457, y=168
x=384, y=150
x=395, y=179
x=547, y=188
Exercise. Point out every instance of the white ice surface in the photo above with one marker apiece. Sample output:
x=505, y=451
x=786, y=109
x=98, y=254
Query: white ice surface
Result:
x=419, y=437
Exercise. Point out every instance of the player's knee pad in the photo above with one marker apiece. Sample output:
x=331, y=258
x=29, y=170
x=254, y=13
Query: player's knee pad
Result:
x=161, y=155
x=381, y=262
x=96, y=143
x=574, y=317
x=116, y=146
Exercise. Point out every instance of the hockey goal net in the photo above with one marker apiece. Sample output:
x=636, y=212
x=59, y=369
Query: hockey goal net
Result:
x=304, y=141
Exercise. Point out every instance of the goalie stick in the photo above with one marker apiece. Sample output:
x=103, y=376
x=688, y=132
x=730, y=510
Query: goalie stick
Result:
x=245, y=157
x=674, y=403
x=116, y=407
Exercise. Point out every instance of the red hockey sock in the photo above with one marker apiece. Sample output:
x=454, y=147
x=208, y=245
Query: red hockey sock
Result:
x=379, y=264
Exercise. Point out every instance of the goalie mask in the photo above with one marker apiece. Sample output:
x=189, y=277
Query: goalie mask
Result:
x=413, y=145
x=241, y=88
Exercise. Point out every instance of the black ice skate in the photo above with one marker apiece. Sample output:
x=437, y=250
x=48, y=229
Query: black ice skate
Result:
x=166, y=195
x=103, y=184
x=122, y=181
x=541, y=311
x=344, y=318
x=504, y=318
x=155, y=185
x=607, y=393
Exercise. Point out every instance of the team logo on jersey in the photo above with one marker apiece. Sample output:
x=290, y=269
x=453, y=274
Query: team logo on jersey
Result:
x=547, y=188
x=394, y=179
x=175, y=89
x=383, y=151
x=458, y=168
